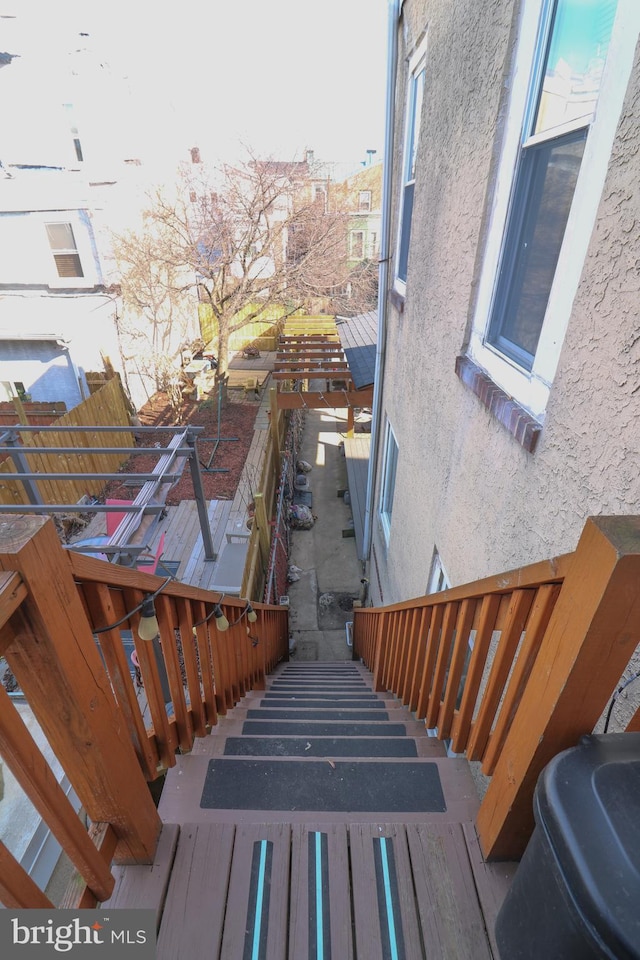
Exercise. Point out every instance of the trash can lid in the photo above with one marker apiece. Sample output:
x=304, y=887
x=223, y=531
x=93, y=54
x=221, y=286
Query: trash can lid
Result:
x=587, y=802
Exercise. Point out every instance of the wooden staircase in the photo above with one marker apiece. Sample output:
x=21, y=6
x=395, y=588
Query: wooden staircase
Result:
x=319, y=820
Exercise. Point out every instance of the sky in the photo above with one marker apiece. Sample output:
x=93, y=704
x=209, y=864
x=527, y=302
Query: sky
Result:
x=280, y=76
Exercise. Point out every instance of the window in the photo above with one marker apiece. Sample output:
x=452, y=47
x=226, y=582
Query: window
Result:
x=388, y=480
x=373, y=245
x=63, y=247
x=415, y=96
x=364, y=201
x=356, y=245
x=549, y=184
x=562, y=103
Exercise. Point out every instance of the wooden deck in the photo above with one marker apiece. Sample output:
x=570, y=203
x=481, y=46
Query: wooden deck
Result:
x=298, y=883
x=183, y=544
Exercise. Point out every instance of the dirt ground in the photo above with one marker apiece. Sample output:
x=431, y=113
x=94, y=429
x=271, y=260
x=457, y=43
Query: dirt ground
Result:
x=237, y=419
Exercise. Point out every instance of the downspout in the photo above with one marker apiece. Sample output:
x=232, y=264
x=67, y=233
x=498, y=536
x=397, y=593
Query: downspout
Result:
x=383, y=274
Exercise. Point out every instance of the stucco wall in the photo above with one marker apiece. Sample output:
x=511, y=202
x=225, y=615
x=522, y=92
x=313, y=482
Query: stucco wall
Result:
x=463, y=483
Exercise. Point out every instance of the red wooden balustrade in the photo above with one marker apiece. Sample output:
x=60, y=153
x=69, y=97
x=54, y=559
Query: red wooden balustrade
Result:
x=515, y=668
x=61, y=617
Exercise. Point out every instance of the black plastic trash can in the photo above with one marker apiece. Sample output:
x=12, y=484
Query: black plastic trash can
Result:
x=576, y=892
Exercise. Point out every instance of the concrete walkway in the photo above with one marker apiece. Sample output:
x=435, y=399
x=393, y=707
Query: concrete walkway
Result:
x=329, y=569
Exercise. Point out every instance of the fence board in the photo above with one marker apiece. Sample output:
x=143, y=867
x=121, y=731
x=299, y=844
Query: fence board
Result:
x=106, y=407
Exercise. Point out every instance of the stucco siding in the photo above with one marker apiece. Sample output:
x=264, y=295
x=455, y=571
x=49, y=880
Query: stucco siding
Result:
x=464, y=484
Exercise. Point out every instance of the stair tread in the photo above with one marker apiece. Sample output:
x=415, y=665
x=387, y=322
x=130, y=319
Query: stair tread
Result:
x=216, y=746
x=325, y=728
x=181, y=798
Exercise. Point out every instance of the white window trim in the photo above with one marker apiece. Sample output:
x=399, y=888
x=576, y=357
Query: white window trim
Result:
x=366, y=208
x=416, y=62
x=531, y=389
x=83, y=249
x=385, y=518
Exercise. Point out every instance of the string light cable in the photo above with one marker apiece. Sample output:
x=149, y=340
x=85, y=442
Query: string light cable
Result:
x=149, y=598
x=247, y=612
x=623, y=686
x=216, y=612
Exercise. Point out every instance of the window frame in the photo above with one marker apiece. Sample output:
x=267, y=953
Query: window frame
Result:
x=65, y=251
x=388, y=480
x=364, y=201
x=411, y=138
x=531, y=387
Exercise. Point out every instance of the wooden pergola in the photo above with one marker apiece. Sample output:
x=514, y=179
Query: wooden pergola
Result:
x=302, y=360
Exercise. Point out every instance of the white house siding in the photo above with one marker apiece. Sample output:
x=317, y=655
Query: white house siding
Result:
x=464, y=484
x=45, y=369
x=48, y=342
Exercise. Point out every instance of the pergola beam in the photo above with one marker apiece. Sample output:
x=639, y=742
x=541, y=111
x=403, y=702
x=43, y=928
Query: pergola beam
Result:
x=310, y=364
x=306, y=354
x=321, y=374
x=318, y=399
x=310, y=338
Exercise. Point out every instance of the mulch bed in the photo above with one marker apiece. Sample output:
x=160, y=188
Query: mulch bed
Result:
x=237, y=419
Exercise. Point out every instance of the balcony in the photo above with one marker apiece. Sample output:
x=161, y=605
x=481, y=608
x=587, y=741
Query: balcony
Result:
x=508, y=671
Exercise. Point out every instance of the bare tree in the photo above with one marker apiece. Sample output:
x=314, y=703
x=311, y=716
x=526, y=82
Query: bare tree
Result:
x=159, y=315
x=246, y=237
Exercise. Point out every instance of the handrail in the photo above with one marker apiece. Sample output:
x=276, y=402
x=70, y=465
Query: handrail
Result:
x=62, y=619
x=514, y=668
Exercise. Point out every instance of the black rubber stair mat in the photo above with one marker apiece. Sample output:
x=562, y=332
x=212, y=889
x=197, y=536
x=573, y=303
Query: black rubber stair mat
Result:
x=301, y=714
x=320, y=747
x=299, y=703
x=318, y=728
x=335, y=686
x=364, y=698
x=341, y=786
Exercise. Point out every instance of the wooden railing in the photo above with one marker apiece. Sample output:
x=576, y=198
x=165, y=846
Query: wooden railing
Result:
x=61, y=620
x=515, y=668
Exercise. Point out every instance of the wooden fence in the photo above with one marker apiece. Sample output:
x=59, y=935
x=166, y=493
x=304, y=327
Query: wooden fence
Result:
x=309, y=325
x=258, y=553
x=515, y=668
x=61, y=620
x=106, y=407
x=33, y=412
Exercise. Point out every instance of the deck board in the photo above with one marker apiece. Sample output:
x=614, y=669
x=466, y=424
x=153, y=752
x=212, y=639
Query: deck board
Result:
x=492, y=881
x=308, y=907
x=450, y=915
x=146, y=885
x=386, y=921
x=198, y=889
x=249, y=888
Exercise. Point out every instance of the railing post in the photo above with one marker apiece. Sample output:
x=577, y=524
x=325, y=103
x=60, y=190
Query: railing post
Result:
x=378, y=659
x=592, y=634
x=56, y=662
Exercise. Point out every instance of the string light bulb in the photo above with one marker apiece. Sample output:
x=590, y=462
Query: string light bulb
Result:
x=252, y=616
x=222, y=623
x=148, y=627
